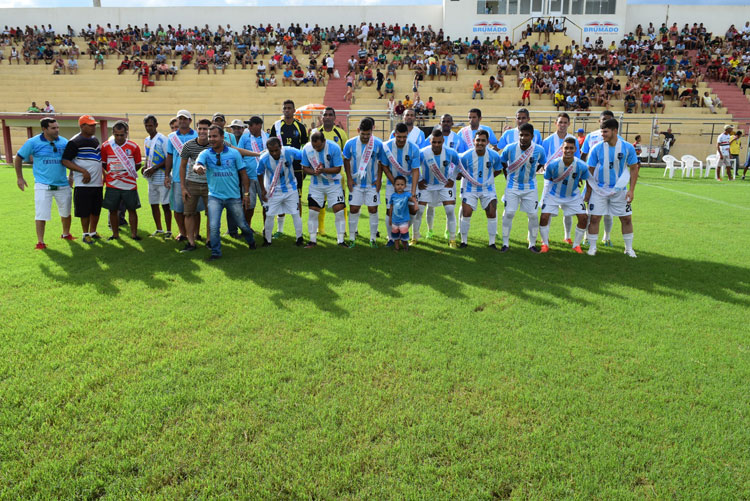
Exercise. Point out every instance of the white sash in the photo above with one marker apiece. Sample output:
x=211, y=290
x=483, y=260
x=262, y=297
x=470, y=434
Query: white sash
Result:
x=364, y=157
x=280, y=164
x=465, y=174
x=152, y=149
x=414, y=135
x=565, y=173
x=558, y=151
x=392, y=159
x=622, y=180
x=277, y=126
x=263, y=139
x=122, y=157
x=521, y=157
x=432, y=164
x=312, y=156
x=466, y=133
x=176, y=143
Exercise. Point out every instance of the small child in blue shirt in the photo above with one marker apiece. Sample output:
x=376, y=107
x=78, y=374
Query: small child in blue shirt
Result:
x=400, y=202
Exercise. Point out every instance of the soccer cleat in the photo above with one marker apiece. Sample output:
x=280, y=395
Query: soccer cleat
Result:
x=452, y=244
x=534, y=249
x=607, y=243
x=181, y=238
x=352, y=243
x=578, y=249
x=96, y=236
x=68, y=237
x=430, y=234
x=88, y=240
x=630, y=253
x=390, y=243
x=277, y=234
x=591, y=251
x=299, y=242
x=311, y=245
x=413, y=241
x=568, y=241
x=157, y=233
x=167, y=234
x=504, y=248
x=266, y=243
x=373, y=245
x=40, y=246
x=189, y=248
x=342, y=244
x=493, y=247
x=463, y=245
x=544, y=249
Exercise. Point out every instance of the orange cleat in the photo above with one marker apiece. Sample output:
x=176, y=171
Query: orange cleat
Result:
x=568, y=241
x=578, y=249
x=545, y=248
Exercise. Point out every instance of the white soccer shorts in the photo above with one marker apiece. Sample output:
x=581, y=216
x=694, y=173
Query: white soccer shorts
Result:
x=43, y=196
x=551, y=205
x=613, y=205
x=320, y=193
x=364, y=196
x=436, y=197
x=485, y=198
x=158, y=194
x=527, y=200
x=282, y=203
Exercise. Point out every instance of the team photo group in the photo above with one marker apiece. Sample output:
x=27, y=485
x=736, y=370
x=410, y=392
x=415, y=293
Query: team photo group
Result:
x=217, y=167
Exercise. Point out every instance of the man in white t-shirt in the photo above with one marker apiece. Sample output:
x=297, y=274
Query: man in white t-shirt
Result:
x=722, y=148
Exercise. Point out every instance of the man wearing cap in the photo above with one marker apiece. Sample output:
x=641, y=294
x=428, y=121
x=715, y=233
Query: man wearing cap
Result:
x=83, y=152
x=176, y=140
x=218, y=119
x=254, y=140
x=158, y=195
x=49, y=177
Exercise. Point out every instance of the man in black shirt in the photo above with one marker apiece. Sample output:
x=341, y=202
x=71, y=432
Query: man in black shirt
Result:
x=292, y=133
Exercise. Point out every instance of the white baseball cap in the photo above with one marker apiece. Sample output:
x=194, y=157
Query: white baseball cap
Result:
x=184, y=113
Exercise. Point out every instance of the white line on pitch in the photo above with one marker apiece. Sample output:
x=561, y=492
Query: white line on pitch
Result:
x=696, y=196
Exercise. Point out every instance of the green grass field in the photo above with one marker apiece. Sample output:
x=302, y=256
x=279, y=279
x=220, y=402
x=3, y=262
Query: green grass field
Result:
x=128, y=370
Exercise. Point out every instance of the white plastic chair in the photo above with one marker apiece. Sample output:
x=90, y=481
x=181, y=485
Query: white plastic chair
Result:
x=711, y=162
x=691, y=163
x=672, y=165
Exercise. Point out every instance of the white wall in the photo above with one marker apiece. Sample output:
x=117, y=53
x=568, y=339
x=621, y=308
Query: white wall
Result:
x=716, y=18
x=78, y=17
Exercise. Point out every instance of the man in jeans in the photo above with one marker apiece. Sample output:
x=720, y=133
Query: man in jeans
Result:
x=224, y=169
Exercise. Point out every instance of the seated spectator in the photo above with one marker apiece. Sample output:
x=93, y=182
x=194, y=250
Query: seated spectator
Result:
x=494, y=85
x=35, y=109
x=310, y=78
x=399, y=109
x=408, y=103
x=298, y=76
x=559, y=99
x=59, y=67
x=286, y=77
x=708, y=102
x=186, y=59
x=368, y=76
x=72, y=65
x=630, y=103
x=260, y=80
x=389, y=87
x=272, y=81
x=571, y=102
x=658, y=102
x=477, y=90
x=202, y=64
x=124, y=65
x=430, y=107
x=99, y=60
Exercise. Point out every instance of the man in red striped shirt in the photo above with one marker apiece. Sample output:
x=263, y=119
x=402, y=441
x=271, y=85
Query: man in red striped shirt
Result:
x=121, y=159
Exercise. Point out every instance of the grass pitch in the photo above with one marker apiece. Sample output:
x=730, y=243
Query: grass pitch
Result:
x=128, y=370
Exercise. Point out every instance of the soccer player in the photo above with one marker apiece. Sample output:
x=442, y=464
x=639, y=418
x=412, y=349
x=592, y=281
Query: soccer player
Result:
x=292, y=133
x=177, y=139
x=331, y=132
x=415, y=134
x=562, y=176
x=254, y=140
x=194, y=185
x=468, y=132
x=513, y=135
x=400, y=158
x=612, y=164
x=363, y=177
x=121, y=159
x=437, y=183
x=224, y=170
x=321, y=159
x=278, y=191
x=83, y=151
x=156, y=155
x=591, y=140
x=521, y=161
x=50, y=180
x=553, y=148
x=478, y=168
x=723, y=144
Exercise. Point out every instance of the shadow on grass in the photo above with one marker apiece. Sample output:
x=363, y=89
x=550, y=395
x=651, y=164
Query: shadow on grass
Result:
x=321, y=276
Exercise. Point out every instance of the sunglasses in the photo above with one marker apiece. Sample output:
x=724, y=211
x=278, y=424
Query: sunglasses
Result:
x=218, y=159
x=54, y=148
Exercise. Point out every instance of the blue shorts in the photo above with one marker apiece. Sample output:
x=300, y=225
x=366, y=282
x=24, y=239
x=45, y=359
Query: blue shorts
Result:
x=175, y=199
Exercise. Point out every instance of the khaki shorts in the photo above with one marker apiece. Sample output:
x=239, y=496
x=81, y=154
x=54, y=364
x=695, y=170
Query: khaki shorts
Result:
x=197, y=191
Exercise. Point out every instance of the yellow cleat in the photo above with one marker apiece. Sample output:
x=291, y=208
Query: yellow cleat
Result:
x=452, y=244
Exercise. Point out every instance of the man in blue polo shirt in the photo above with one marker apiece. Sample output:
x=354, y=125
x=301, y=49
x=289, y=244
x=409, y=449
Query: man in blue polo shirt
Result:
x=176, y=140
x=224, y=169
x=50, y=179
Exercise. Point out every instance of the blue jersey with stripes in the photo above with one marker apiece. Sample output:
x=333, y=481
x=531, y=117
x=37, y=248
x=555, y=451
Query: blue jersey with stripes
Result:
x=353, y=151
x=470, y=144
x=482, y=169
x=452, y=141
x=511, y=136
x=48, y=168
x=446, y=162
x=591, y=140
x=525, y=177
x=246, y=142
x=553, y=144
x=408, y=158
x=329, y=157
x=267, y=165
x=609, y=165
x=416, y=136
x=566, y=188
x=171, y=150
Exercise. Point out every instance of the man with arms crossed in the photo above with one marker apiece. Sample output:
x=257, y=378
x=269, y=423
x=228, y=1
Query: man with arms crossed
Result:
x=513, y=135
x=321, y=159
x=158, y=195
x=400, y=158
x=478, y=168
x=177, y=139
x=363, y=177
x=562, y=176
x=83, y=151
x=121, y=159
x=49, y=178
x=521, y=161
x=612, y=164
x=553, y=148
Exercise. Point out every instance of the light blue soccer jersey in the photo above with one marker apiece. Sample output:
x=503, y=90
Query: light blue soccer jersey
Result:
x=446, y=162
x=329, y=157
x=222, y=172
x=407, y=157
x=452, y=141
x=566, y=188
x=482, y=169
x=511, y=136
x=353, y=151
x=553, y=144
x=48, y=168
x=591, y=140
x=266, y=166
x=416, y=136
x=525, y=177
x=246, y=142
x=176, y=159
x=470, y=144
x=609, y=166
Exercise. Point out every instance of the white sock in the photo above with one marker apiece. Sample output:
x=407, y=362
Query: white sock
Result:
x=268, y=228
x=418, y=222
x=567, y=225
x=373, y=226
x=592, y=241
x=312, y=225
x=430, y=217
x=533, y=229
x=544, y=232
x=608, y=221
x=340, y=222
x=460, y=216
x=580, y=232
x=450, y=216
x=507, y=225
x=465, y=225
x=297, y=220
x=353, y=223
x=492, y=229
x=628, y=241
x=281, y=223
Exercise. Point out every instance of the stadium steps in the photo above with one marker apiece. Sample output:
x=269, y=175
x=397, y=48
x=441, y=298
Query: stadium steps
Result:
x=733, y=100
x=336, y=87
